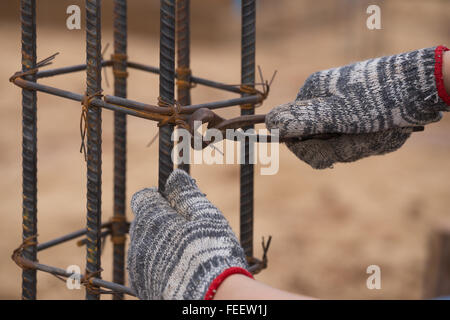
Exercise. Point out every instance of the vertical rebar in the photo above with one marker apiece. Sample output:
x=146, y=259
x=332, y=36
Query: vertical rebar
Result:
x=183, y=60
x=94, y=142
x=248, y=79
x=120, y=144
x=29, y=146
x=166, y=86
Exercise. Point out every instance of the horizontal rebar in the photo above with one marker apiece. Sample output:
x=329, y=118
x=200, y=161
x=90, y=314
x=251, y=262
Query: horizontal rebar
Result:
x=67, y=237
x=137, y=66
x=65, y=70
x=136, y=105
x=196, y=80
x=95, y=281
x=124, y=105
x=183, y=109
x=78, y=97
x=103, y=234
x=253, y=99
x=254, y=268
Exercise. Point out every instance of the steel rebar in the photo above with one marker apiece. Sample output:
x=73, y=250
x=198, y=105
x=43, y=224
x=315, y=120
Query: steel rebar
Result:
x=246, y=170
x=120, y=145
x=194, y=79
x=78, y=97
x=183, y=63
x=183, y=109
x=141, y=67
x=66, y=237
x=94, y=280
x=66, y=70
x=166, y=86
x=29, y=145
x=94, y=142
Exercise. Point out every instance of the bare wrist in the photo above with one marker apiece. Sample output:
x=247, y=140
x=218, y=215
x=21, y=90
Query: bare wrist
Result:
x=446, y=70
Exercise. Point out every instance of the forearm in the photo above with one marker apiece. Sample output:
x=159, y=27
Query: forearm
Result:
x=240, y=287
x=446, y=71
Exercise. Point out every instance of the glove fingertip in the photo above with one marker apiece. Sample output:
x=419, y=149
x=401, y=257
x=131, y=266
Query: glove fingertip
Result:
x=281, y=118
x=316, y=153
x=142, y=196
x=179, y=179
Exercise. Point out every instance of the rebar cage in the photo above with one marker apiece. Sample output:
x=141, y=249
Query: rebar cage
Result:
x=174, y=33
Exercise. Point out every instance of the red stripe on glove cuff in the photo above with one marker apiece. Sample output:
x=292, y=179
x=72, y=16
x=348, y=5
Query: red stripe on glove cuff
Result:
x=438, y=55
x=221, y=278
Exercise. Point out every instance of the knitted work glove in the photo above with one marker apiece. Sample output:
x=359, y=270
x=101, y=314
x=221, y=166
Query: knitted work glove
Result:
x=374, y=103
x=181, y=246
x=322, y=154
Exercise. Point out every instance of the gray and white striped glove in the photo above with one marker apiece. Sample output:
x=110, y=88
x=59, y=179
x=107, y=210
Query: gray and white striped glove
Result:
x=181, y=247
x=373, y=105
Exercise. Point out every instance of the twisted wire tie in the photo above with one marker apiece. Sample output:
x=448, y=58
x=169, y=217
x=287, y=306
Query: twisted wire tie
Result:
x=175, y=115
x=251, y=90
x=43, y=63
x=261, y=264
x=17, y=257
x=90, y=287
x=117, y=59
x=84, y=127
x=117, y=221
x=184, y=78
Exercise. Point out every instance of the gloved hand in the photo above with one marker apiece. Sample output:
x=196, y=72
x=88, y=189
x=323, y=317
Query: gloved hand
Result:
x=182, y=247
x=373, y=105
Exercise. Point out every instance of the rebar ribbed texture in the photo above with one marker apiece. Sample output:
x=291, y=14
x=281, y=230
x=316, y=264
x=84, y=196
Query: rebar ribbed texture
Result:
x=29, y=146
x=94, y=142
x=120, y=144
x=166, y=86
x=247, y=78
x=183, y=59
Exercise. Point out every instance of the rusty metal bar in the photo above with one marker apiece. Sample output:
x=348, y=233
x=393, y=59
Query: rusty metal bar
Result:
x=120, y=144
x=33, y=265
x=103, y=235
x=78, y=97
x=183, y=61
x=94, y=142
x=66, y=70
x=131, y=107
x=194, y=79
x=141, y=67
x=184, y=109
x=66, y=237
x=166, y=86
x=29, y=145
x=247, y=76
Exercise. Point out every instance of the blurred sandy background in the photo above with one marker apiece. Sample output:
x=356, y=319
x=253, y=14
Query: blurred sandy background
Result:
x=327, y=226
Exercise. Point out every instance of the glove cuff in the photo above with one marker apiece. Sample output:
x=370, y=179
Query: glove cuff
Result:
x=443, y=94
x=215, y=284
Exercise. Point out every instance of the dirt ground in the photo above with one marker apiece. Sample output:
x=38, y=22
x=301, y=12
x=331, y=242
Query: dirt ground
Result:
x=327, y=226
